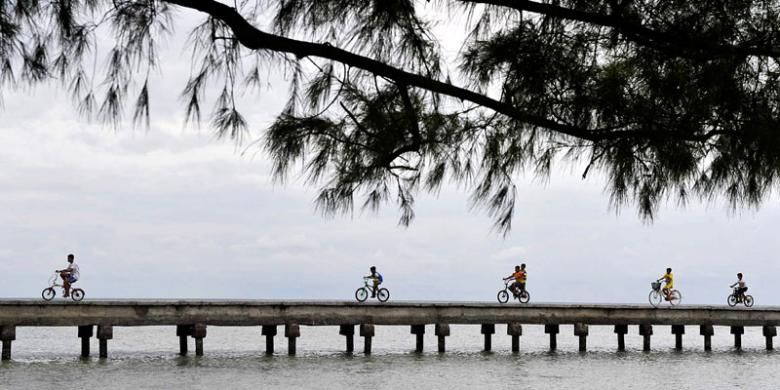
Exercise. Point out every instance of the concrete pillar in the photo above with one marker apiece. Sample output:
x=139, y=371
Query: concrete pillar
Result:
x=348, y=331
x=488, y=330
x=737, y=331
x=104, y=333
x=442, y=331
x=515, y=330
x=419, y=331
x=769, y=332
x=292, y=332
x=621, y=331
x=199, y=333
x=707, y=331
x=678, y=331
x=85, y=332
x=183, y=331
x=646, y=330
x=581, y=331
x=552, y=330
x=367, y=331
x=269, y=331
x=7, y=336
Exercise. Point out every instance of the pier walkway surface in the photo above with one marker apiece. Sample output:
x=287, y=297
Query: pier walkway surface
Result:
x=191, y=317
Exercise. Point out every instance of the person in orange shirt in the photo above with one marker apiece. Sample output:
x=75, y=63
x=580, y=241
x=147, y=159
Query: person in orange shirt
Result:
x=520, y=275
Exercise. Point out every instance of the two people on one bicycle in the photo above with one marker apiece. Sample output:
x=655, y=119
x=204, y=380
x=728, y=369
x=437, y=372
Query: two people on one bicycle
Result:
x=69, y=275
x=741, y=287
x=668, y=279
x=521, y=276
x=377, y=279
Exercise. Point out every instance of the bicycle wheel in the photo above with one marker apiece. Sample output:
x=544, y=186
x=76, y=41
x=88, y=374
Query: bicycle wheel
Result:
x=524, y=297
x=48, y=294
x=383, y=294
x=732, y=300
x=655, y=298
x=502, y=296
x=77, y=294
x=748, y=301
x=676, y=298
x=361, y=294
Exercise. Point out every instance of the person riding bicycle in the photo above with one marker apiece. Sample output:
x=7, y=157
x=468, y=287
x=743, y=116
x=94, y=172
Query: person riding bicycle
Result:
x=377, y=278
x=520, y=275
x=741, y=287
x=69, y=275
x=668, y=279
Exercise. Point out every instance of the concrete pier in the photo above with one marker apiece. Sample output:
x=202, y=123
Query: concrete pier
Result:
x=419, y=332
x=646, y=331
x=707, y=331
x=552, y=330
x=292, y=332
x=348, y=331
x=515, y=330
x=678, y=331
x=442, y=331
x=621, y=331
x=488, y=330
x=769, y=332
x=104, y=333
x=85, y=332
x=367, y=332
x=191, y=319
x=269, y=331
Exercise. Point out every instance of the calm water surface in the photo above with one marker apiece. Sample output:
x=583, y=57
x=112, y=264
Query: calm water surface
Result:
x=145, y=358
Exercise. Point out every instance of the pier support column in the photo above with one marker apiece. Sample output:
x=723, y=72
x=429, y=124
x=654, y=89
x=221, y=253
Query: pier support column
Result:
x=678, y=331
x=183, y=331
x=707, y=331
x=552, y=330
x=646, y=330
x=581, y=331
x=348, y=331
x=7, y=336
x=367, y=331
x=269, y=331
x=442, y=331
x=515, y=329
x=769, y=332
x=104, y=333
x=621, y=331
x=85, y=332
x=738, y=331
x=199, y=333
x=292, y=332
x=488, y=330
x=419, y=331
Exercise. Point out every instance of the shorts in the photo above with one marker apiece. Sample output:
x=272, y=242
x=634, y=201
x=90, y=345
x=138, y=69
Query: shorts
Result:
x=72, y=279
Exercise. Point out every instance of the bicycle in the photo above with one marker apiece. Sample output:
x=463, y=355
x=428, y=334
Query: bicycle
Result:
x=49, y=293
x=657, y=296
x=735, y=298
x=361, y=294
x=503, y=295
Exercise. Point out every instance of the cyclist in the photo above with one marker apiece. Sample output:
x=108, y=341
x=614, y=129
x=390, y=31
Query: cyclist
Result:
x=668, y=279
x=69, y=275
x=741, y=287
x=520, y=275
x=377, y=278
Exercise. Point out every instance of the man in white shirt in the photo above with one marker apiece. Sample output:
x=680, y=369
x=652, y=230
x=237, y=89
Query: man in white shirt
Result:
x=69, y=275
x=741, y=287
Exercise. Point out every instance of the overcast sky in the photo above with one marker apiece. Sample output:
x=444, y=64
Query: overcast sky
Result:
x=171, y=212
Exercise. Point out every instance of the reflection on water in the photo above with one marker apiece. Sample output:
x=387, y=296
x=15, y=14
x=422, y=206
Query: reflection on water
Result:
x=145, y=358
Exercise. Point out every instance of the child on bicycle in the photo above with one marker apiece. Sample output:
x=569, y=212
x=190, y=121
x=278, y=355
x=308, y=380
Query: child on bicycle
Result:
x=69, y=275
x=668, y=279
x=377, y=278
x=741, y=287
x=520, y=275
